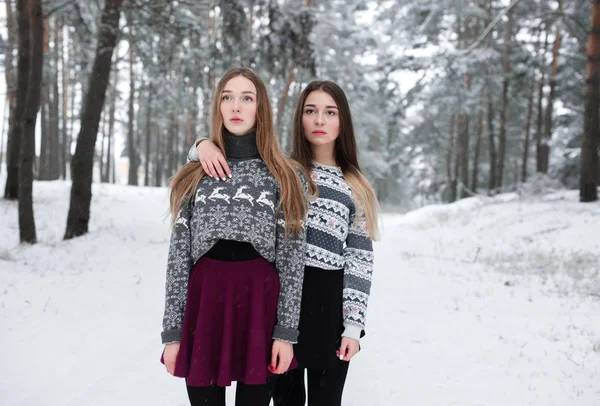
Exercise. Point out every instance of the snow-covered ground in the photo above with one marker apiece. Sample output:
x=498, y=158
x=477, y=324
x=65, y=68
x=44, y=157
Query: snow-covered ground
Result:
x=482, y=302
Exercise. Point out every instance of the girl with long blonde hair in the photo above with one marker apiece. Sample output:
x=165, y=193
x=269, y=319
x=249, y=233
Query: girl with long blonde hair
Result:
x=342, y=224
x=236, y=258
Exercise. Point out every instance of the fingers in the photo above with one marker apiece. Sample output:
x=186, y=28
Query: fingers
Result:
x=220, y=173
x=224, y=164
x=206, y=169
x=217, y=168
x=170, y=365
x=283, y=366
x=348, y=349
x=341, y=353
x=352, y=351
x=273, y=364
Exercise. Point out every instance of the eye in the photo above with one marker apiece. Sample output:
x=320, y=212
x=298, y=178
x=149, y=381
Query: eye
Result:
x=331, y=113
x=248, y=99
x=226, y=97
x=309, y=111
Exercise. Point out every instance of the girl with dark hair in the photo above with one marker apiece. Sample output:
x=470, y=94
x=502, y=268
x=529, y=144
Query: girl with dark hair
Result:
x=342, y=223
x=236, y=258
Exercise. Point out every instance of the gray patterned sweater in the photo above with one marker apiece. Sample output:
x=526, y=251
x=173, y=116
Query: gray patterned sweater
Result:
x=245, y=208
x=337, y=238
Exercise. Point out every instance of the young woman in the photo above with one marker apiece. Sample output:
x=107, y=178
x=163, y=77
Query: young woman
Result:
x=236, y=258
x=342, y=223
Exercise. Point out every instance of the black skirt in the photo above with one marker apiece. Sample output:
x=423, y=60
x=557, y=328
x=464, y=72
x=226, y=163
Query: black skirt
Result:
x=321, y=318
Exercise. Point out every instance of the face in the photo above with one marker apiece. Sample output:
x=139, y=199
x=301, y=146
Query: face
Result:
x=320, y=118
x=238, y=105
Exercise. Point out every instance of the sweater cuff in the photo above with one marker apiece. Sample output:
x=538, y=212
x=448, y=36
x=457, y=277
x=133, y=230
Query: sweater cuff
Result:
x=289, y=335
x=352, y=331
x=193, y=153
x=171, y=336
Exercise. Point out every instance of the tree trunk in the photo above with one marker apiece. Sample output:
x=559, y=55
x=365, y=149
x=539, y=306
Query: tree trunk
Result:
x=149, y=129
x=33, y=11
x=160, y=135
x=458, y=156
x=282, y=102
x=504, y=103
x=103, y=130
x=109, y=167
x=132, y=152
x=492, y=147
x=66, y=146
x=10, y=74
x=547, y=134
x=45, y=136
x=451, y=174
x=539, y=154
x=190, y=124
x=55, y=157
x=463, y=157
x=590, y=167
x=527, y=133
x=11, y=191
x=477, y=152
x=83, y=160
x=44, y=161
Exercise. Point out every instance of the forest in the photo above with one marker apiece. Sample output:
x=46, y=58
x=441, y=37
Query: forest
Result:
x=450, y=99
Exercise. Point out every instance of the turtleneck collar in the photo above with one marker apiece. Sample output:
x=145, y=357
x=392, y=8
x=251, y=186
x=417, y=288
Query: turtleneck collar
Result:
x=240, y=146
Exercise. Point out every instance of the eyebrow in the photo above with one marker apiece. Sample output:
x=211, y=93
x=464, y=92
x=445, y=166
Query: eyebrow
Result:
x=244, y=92
x=327, y=107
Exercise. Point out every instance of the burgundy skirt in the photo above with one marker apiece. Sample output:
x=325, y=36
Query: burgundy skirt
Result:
x=228, y=323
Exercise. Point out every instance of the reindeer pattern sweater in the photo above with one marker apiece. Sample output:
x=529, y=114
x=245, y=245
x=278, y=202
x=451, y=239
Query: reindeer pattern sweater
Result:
x=245, y=208
x=337, y=238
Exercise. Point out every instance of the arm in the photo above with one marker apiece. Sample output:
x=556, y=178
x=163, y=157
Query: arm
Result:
x=289, y=262
x=358, y=272
x=210, y=156
x=179, y=264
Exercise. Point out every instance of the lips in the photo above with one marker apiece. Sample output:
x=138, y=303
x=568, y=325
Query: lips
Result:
x=319, y=132
x=236, y=120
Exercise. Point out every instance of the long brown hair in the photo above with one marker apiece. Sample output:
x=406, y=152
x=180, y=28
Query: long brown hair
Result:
x=345, y=151
x=284, y=170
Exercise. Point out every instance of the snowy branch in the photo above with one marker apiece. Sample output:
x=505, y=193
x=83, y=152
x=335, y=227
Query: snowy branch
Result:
x=488, y=29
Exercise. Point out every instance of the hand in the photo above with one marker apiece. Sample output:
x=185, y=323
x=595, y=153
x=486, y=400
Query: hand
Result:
x=284, y=352
x=212, y=160
x=170, y=356
x=348, y=349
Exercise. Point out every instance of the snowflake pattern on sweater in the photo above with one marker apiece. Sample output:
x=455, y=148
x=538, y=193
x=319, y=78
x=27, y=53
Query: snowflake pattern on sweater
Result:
x=337, y=238
x=245, y=208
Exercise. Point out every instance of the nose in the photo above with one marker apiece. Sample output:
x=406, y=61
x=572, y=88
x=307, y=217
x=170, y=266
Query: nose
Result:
x=236, y=106
x=319, y=119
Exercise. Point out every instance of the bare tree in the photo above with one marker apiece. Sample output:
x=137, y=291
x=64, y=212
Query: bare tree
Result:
x=504, y=103
x=526, y=139
x=83, y=159
x=10, y=72
x=31, y=37
x=547, y=134
x=590, y=167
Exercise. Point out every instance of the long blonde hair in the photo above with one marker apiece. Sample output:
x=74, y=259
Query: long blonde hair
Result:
x=345, y=150
x=292, y=197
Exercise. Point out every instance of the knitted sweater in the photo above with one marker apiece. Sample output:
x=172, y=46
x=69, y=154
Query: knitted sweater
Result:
x=337, y=238
x=246, y=209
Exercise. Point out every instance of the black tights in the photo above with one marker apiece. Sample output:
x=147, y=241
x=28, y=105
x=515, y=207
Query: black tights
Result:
x=325, y=387
x=245, y=395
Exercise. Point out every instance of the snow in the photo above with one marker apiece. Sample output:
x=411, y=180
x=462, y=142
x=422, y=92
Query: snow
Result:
x=487, y=301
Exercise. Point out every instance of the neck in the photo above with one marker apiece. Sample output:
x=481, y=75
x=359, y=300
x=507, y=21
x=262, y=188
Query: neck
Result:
x=324, y=154
x=240, y=146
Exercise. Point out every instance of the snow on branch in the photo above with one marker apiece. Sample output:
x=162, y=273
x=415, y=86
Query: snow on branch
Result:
x=488, y=29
